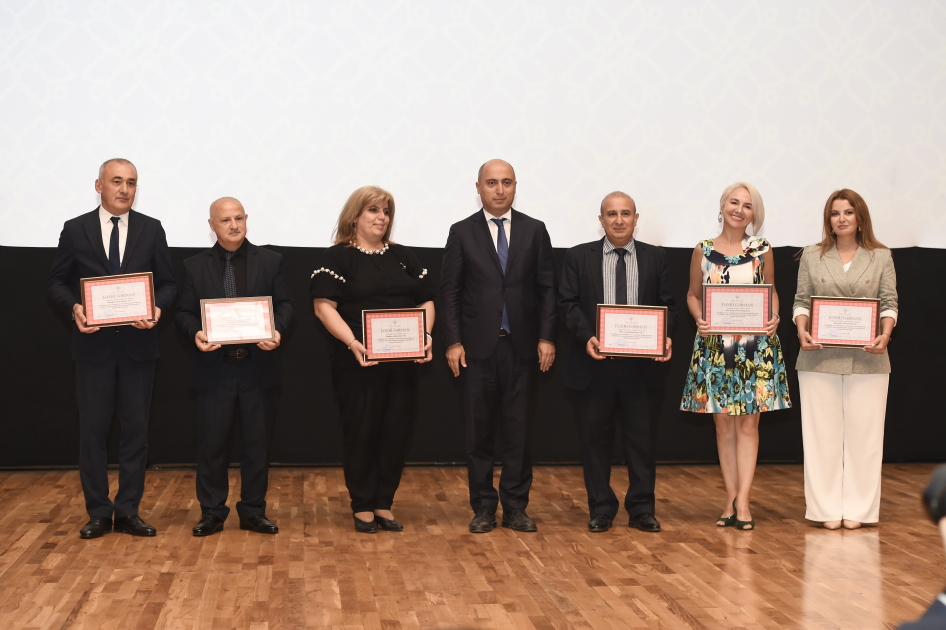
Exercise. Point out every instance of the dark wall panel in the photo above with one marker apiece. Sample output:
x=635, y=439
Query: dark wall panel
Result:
x=40, y=424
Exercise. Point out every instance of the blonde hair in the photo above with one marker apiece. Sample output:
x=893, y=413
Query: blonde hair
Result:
x=345, y=228
x=758, y=210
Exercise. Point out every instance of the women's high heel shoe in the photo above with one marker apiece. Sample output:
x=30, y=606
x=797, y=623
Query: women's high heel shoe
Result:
x=365, y=527
x=744, y=526
x=388, y=524
x=728, y=521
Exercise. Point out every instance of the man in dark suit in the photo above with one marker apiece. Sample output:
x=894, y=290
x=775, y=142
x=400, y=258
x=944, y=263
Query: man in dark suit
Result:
x=498, y=291
x=115, y=362
x=238, y=375
x=615, y=270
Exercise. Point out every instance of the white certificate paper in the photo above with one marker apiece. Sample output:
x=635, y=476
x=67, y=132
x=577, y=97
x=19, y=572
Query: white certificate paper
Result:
x=846, y=323
x=395, y=335
x=630, y=332
x=126, y=301
x=739, y=310
x=238, y=320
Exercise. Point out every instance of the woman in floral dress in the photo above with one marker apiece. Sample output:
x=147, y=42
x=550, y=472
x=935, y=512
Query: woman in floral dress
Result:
x=735, y=377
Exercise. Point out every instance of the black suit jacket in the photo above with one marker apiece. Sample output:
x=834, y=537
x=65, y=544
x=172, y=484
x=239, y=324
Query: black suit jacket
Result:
x=582, y=289
x=204, y=281
x=473, y=287
x=81, y=254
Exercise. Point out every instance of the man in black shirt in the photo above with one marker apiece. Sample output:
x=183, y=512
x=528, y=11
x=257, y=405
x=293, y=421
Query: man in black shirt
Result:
x=239, y=375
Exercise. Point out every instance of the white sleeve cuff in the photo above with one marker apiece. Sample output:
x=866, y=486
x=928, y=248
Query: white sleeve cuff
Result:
x=801, y=310
x=891, y=314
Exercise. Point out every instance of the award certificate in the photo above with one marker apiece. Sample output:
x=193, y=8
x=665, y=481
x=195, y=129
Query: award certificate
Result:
x=228, y=321
x=118, y=300
x=394, y=334
x=737, y=309
x=844, y=322
x=631, y=330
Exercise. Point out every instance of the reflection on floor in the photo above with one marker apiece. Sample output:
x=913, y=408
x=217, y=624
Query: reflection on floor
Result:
x=318, y=573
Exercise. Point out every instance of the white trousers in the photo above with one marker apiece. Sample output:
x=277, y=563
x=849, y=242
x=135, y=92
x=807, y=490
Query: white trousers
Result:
x=842, y=424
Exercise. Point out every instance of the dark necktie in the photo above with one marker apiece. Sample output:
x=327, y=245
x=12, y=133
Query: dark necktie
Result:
x=620, y=278
x=502, y=249
x=114, y=255
x=229, y=277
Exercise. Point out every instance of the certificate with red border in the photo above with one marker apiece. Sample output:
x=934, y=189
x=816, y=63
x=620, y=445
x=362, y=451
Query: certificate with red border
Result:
x=844, y=322
x=737, y=309
x=394, y=334
x=227, y=321
x=118, y=300
x=631, y=330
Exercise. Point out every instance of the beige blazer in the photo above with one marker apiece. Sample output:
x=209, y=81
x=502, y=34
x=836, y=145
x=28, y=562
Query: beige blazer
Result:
x=871, y=275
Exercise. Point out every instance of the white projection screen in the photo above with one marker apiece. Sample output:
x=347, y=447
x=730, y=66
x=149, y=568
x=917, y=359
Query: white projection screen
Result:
x=290, y=106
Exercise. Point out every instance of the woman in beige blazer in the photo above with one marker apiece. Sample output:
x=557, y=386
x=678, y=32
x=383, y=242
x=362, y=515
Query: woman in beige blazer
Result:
x=844, y=390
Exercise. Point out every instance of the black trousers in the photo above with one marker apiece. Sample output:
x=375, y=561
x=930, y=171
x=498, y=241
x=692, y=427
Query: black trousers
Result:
x=238, y=386
x=377, y=414
x=99, y=385
x=500, y=388
x=618, y=384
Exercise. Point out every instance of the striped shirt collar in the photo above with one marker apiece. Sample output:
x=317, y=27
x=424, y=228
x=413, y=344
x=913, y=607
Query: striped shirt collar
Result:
x=608, y=247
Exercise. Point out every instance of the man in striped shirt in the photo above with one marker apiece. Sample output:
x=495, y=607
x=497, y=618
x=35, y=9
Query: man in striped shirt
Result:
x=614, y=270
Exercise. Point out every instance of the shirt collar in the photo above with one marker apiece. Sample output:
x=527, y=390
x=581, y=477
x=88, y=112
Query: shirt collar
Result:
x=608, y=247
x=106, y=217
x=219, y=250
x=507, y=216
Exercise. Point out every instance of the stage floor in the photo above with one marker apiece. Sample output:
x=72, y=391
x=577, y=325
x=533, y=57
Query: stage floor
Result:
x=318, y=573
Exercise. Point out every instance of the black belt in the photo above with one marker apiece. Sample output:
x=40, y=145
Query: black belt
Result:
x=503, y=333
x=242, y=353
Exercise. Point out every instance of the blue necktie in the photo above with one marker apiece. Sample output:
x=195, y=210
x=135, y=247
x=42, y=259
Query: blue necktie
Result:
x=502, y=249
x=114, y=257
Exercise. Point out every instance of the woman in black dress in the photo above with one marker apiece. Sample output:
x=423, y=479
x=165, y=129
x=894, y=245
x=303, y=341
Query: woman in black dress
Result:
x=365, y=270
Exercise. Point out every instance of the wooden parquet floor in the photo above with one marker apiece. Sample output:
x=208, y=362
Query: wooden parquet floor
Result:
x=318, y=573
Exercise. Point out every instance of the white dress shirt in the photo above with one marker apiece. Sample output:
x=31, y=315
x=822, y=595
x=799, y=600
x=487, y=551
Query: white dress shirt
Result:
x=105, y=218
x=494, y=229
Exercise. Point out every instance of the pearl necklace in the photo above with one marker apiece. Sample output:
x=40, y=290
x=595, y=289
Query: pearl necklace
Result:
x=379, y=252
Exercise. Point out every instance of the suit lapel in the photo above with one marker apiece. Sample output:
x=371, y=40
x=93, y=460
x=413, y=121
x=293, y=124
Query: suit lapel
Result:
x=596, y=256
x=135, y=227
x=832, y=262
x=486, y=240
x=515, y=244
x=252, y=268
x=643, y=272
x=859, y=264
x=93, y=229
x=213, y=270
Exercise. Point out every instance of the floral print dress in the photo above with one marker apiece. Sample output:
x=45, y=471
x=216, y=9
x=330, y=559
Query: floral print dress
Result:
x=735, y=374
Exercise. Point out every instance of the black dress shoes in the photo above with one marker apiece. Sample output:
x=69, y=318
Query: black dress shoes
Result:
x=483, y=522
x=366, y=527
x=208, y=524
x=518, y=521
x=259, y=524
x=97, y=527
x=388, y=524
x=645, y=523
x=599, y=523
x=134, y=525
